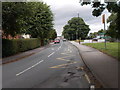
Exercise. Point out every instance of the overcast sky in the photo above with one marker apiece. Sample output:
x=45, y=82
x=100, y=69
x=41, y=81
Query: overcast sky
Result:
x=64, y=10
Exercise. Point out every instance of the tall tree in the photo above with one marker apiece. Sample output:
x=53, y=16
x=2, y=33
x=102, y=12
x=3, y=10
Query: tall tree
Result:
x=75, y=28
x=52, y=34
x=34, y=18
x=41, y=21
x=12, y=13
x=112, y=30
x=112, y=7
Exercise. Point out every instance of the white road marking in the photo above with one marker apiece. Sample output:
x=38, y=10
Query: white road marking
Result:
x=51, y=54
x=60, y=46
x=29, y=68
x=87, y=78
x=68, y=49
x=92, y=87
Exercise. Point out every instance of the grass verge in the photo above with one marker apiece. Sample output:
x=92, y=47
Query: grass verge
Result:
x=112, y=48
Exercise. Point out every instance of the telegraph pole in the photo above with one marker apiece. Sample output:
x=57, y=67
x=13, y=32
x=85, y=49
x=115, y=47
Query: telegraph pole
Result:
x=77, y=30
x=78, y=15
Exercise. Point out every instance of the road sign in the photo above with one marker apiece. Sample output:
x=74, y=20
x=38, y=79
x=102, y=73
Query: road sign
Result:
x=106, y=37
x=101, y=33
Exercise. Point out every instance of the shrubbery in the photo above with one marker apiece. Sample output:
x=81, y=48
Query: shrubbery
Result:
x=10, y=47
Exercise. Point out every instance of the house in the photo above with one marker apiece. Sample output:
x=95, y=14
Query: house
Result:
x=15, y=37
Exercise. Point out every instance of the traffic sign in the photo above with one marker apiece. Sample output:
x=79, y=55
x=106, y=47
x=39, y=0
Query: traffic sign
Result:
x=101, y=33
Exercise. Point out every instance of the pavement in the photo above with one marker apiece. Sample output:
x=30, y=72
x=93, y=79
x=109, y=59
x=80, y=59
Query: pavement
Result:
x=104, y=67
x=57, y=66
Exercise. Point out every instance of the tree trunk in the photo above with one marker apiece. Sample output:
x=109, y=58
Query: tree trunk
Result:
x=42, y=42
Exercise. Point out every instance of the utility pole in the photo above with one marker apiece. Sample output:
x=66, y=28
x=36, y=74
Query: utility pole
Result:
x=103, y=21
x=77, y=30
x=78, y=15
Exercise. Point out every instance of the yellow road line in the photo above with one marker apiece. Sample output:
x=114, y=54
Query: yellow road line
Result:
x=63, y=58
x=67, y=54
x=61, y=66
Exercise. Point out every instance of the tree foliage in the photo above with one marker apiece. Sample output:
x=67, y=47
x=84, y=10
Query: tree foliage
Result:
x=34, y=18
x=52, y=34
x=112, y=30
x=12, y=14
x=95, y=34
x=75, y=28
x=112, y=7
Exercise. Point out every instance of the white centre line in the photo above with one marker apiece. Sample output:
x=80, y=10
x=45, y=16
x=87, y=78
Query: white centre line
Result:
x=29, y=68
x=92, y=87
x=60, y=46
x=51, y=54
x=68, y=49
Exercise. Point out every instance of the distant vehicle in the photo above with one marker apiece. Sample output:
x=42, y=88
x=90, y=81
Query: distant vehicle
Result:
x=64, y=40
x=56, y=41
x=95, y=39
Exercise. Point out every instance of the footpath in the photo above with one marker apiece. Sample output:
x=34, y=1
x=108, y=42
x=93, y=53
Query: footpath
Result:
x=21, y=55
x=103, y=67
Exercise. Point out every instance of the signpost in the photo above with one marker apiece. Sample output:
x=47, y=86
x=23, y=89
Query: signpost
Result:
x=103, y=21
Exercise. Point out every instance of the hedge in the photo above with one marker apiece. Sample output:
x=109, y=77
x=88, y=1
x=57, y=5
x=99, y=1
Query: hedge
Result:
x=14, y=46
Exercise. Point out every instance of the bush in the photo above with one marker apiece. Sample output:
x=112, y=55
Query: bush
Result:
x=11, y=47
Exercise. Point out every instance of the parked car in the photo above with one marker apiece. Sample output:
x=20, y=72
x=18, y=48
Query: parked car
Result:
x=56, y=41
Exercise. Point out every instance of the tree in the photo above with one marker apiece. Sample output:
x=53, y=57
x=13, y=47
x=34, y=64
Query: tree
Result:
x=75, y=28
x=34, y=18
x=12, y=13
x=93, y=35
x=112, y=31
x=41, y=21
x=112, y=7
x=101, y=32
x=52, y=34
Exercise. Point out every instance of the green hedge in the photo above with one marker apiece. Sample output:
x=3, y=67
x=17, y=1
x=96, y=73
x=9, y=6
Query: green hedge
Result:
x=11, y=47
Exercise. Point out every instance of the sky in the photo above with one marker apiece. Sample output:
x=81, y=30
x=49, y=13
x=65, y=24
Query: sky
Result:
x=64, y=10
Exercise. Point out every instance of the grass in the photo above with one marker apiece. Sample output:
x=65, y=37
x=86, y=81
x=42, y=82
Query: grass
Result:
x=112, y=48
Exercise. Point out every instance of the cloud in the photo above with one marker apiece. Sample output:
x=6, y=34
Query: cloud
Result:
x=65, y=10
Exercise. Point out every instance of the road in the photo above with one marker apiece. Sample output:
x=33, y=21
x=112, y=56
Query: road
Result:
x=55, y=67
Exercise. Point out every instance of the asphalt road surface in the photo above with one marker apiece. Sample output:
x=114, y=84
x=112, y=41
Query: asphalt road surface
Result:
x=58, y=66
